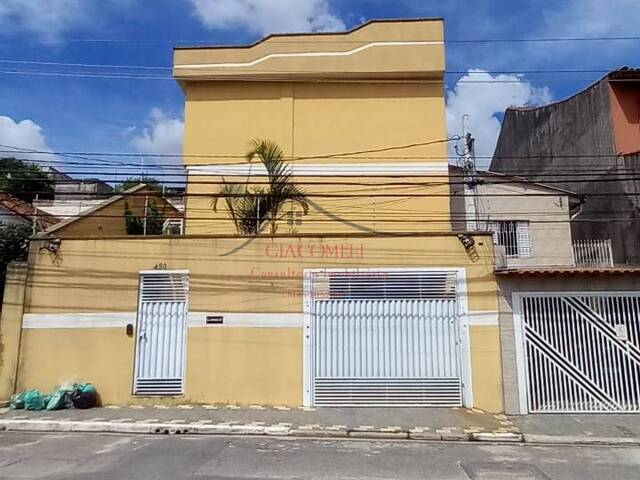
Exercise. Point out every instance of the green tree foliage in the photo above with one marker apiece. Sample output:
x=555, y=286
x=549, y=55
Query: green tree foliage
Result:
x=131, y=182
x=251, y=208
x=24, y=180
x=135, y=224
x=14, y=246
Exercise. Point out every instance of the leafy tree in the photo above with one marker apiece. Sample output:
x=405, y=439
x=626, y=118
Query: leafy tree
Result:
x=14, y=246
x=131, y=182
x=24, y=180
x=251, y=208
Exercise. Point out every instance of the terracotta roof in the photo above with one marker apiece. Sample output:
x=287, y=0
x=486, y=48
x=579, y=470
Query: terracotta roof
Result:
x=569, y=271
x=26, y=210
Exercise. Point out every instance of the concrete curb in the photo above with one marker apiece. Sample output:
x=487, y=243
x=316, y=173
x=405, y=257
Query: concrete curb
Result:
x=315, y=431
x=579, y=440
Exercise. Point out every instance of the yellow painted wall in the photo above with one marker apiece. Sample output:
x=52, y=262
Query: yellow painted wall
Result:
x=269, y=57
x=236, y=274
x=101, y=356
x=229, y=364
x=334, y=214
x=315, y=120
x=486, y=367
x=225, y=365
x=110, y=220
x=11, y=327
x=259, y=366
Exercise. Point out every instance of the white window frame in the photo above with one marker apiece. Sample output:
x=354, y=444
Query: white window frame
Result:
x=522, y=235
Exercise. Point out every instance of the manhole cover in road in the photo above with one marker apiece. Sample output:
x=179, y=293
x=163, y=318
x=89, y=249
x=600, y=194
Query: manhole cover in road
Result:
x=503, y=471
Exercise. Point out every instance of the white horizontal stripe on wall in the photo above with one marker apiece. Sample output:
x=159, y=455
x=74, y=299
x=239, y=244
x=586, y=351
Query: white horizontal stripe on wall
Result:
x=78, y=320
x=483, y=318
x=195, y=319
x=326, y=169
x=251, y=320
x=308, y=54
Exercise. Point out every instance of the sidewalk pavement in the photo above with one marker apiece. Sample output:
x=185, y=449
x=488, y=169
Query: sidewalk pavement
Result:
x=435, y=424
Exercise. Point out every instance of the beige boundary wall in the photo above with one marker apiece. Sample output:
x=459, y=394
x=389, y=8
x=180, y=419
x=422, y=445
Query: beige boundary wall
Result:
x=79, y=301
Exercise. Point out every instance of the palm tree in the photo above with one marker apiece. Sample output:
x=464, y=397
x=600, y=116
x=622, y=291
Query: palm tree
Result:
x=251, y=209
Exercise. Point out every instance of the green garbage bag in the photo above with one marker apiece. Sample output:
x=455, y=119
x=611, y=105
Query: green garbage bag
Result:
x=34, y=400
x=17, y=401
x=60, y=398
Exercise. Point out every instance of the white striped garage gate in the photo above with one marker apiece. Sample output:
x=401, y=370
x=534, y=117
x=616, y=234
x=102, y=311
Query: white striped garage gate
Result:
x=383, y=338
x=578, y=352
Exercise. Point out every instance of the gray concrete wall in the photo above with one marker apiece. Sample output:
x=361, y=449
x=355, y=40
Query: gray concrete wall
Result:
x=550, y=227
x=548, y=218
x=508, y=285
x=576, y=135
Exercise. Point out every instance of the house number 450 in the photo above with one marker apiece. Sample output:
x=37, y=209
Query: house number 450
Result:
x=160, y=266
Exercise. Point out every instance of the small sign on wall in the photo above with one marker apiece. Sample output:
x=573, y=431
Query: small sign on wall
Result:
x=214, y=320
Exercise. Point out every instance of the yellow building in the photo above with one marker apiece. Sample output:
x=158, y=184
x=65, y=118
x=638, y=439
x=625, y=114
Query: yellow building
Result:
x=368, y=299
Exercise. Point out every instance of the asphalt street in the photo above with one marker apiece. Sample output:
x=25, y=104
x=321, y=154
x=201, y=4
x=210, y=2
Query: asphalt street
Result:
x=102, y=457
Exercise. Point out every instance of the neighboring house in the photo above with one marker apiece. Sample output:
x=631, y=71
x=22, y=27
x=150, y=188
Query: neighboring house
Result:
x=369, y=299
x=530, y=222
x=570, y=334
x=589, y=144
x=16, y=211
x=108, y=218
x=69, y=188
x=568, y=316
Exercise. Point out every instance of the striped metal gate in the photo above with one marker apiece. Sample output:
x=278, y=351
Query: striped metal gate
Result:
x=581, y=352
x=162, y=329
x=385, y=339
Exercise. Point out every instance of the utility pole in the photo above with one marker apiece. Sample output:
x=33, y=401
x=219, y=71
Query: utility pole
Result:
x=146, y=206
x=35, y=215
x=470, y=180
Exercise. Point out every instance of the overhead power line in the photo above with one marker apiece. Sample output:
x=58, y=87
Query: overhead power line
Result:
x=170, y=68
x=302, y=40
x=369, y=194
x=268, y=75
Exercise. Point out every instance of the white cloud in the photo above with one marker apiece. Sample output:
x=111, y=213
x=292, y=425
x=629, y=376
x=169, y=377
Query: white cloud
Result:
x=163, y=135
x=482, y=97
x=24, y=136
x=49, y=20
x=268, y=16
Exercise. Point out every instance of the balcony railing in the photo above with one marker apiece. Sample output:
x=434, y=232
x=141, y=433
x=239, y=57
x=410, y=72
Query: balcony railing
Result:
x=593, y=253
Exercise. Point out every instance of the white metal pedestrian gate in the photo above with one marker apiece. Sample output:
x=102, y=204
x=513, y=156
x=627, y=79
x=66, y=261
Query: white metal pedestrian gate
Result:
x=581, y=352
x=162, y=328
x=385, y=339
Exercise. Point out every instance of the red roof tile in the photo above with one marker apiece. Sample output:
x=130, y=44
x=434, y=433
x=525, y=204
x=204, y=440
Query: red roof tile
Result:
x=26, y=210
x=568, y=271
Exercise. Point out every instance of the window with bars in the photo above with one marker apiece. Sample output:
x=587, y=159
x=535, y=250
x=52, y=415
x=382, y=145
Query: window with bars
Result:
x=514, y=236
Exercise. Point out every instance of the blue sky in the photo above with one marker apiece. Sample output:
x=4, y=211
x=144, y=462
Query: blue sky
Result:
x=54, y=113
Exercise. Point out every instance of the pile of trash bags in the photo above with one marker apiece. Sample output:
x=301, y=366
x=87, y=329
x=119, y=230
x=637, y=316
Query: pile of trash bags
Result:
x=78, y=395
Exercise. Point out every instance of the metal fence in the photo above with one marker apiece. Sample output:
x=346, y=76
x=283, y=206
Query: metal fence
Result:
x=593, y=253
